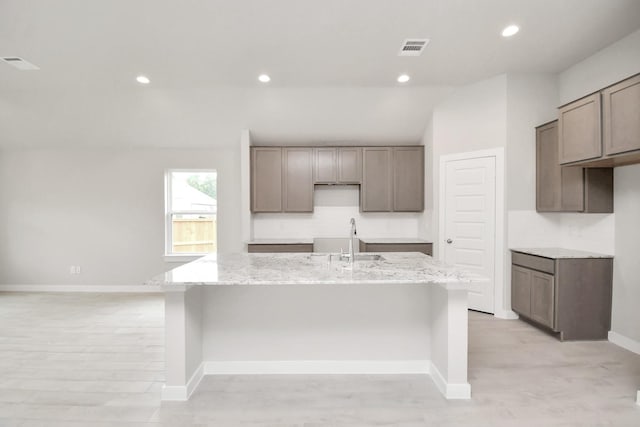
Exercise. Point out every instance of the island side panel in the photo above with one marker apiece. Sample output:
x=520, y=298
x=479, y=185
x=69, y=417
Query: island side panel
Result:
x=307, y=325
x=449, y=341
x=183, y=342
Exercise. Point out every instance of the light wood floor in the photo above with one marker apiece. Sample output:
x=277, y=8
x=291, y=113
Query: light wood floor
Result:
x=97, y=360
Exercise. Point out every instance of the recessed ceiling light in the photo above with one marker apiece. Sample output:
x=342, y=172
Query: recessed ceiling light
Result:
x=510, y=30
x=264, y=78
x=143, y=80
x=403, y=78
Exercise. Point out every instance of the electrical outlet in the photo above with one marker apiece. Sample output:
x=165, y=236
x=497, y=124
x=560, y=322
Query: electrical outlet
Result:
x=72, y=269
x=78, y=270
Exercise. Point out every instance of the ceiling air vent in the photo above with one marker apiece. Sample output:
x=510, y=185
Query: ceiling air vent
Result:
x=413, y=47
x=19, y=63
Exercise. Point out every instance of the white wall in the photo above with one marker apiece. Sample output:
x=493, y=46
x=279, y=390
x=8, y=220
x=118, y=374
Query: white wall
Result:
x=473, y=118
x=608, y=66
x=503, y=112
x=101, y=209
x=625, y=317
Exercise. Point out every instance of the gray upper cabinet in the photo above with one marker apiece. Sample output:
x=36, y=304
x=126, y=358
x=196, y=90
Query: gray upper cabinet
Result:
x=298, y=179
x=408, y=179
x=349, y=165
x=558, y=188
x=375, y=192
x=579, y=130
x=592, y=134
x=266, y=179
x=325, y=165
x=337, y=165
x=391, y=178
x=621, y=116
x=568, y=188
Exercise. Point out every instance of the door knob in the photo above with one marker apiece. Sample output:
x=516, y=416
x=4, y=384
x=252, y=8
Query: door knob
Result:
x=449, y=241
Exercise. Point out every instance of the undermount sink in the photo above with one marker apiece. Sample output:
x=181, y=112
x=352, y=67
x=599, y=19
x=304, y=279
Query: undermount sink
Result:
x=365, y=257
x=345, y=257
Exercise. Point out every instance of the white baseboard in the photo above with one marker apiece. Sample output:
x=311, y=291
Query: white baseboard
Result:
x=82, y=288
x=624, y=342
x=317, y=367
x=506, y=314
x=182, y=393
x=449, y=390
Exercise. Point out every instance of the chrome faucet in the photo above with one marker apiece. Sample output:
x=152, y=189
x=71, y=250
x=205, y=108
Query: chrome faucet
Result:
x=352, y=235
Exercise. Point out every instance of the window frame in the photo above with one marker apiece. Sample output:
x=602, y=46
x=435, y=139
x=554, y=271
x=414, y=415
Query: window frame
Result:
x=169, y=255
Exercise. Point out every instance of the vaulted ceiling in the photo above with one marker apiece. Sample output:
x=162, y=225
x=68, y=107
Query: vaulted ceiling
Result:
x=330, y=57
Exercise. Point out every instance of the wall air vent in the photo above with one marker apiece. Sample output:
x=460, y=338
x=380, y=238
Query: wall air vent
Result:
x=19, y=63
x=413, y=47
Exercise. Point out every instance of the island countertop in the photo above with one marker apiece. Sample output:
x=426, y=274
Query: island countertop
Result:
x=313, y=269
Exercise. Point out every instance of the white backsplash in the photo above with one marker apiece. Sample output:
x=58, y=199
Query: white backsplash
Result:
x=333, y=207
x=587, y=232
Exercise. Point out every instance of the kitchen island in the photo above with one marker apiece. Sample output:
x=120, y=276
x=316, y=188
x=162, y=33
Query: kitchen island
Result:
x=310, y=313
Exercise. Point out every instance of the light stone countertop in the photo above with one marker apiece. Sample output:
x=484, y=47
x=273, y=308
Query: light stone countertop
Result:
x=560, y=253
x=392, y=240
x=313, y=269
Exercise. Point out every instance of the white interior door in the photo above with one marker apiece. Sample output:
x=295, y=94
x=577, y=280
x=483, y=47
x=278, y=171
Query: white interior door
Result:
x=470, y=222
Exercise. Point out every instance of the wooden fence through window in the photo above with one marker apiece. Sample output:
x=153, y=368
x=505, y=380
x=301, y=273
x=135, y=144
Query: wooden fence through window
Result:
x=194, y=235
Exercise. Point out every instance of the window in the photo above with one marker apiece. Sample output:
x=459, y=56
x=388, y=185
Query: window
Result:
x=191, y=204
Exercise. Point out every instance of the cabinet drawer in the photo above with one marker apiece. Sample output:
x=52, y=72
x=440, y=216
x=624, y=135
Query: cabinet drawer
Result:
x=534, y=262
x=280, y=247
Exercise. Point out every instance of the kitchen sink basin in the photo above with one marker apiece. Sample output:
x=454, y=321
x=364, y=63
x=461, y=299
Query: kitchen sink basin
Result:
x=345, y=257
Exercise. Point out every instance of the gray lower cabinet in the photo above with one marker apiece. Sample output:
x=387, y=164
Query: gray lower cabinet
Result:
x=425, y=248
x=266, y=179
x=568, y=188
x=392, y=179
x=279, y=247
x=569, y=296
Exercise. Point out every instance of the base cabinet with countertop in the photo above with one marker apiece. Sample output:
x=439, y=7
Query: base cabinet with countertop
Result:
x=566, y=291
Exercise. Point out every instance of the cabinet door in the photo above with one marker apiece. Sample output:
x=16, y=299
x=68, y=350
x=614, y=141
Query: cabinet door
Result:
x=408, y=179
x=548, y=175
x=325, y=165
x=558, y=188
x=298, y=179
x=621, y=116
x=375, y=193
x=350, y=165
x=542, y=298
x=579, y=130
x=266, y=179
x=521, y=290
